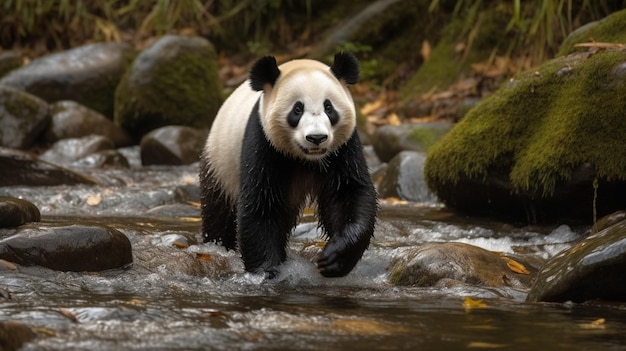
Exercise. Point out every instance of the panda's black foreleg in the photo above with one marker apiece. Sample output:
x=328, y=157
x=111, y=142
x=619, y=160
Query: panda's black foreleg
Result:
x=218, y=215
x=347, y=208
x=264, y=223
x=348, y=218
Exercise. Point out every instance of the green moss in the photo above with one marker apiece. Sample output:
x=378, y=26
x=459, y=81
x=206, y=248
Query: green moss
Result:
x=611, y=29
x=541, y=126
x=427, y=137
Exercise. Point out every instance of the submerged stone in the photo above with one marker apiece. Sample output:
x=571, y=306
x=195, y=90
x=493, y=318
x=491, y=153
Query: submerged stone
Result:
x=433, y=264
x=67, y=248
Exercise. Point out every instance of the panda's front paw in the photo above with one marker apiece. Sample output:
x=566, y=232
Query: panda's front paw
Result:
x=338, y=259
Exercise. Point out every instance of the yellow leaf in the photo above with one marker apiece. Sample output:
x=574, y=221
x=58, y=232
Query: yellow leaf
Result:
x=599, y=323
x=180, y=245
x=8, y=265
x=394, y=120
x=516, y=267
x=93, y=200
x=470, y=303
x=484, y=345
x=204, y=257
x=45, y=331
x=426, y=50
x=69, y=314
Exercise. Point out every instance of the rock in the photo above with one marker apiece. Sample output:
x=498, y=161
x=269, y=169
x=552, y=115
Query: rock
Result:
x=404, y=179
x=103, y=159
x=174, y=210
x=66, y=151
x=22, y=168
x=13, y=335
x=87, y=74
x=172, y=145
x=173, y=82
x=10, y=60
x=389, y=140
x=592, y=269
x=67, y=248
x=73, y=120
x=23, y=117
x=432, y=263
x=519, y=155
x=15, y=212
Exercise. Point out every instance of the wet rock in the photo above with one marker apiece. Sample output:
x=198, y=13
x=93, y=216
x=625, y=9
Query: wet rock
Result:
x=87, y=74
x=10, y=60
x=174, y=82
x=73, y=120
x=66, y=151
x=22, y=168
x=103, y=159
x=518, y=154
x=67, y=248
x=404, y=179
x=608, y=221
x=13, y=335
x=15, y=212
x=592, y=269
x=23, y=117
x=172, y=145
x=434, y=263
x=174, y=210
x=390, y=140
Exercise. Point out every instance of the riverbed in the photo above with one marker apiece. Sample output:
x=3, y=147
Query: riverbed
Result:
x=168, y=299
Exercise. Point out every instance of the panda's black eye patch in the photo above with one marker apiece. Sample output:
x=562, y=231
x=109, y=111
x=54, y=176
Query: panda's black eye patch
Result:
x=295, y=114
x=330, y=111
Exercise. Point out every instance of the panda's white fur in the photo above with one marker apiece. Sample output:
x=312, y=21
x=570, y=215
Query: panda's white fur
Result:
x=304, y=80
x=286, y=135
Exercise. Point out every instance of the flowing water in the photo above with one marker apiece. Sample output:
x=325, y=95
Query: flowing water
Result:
x=168, y=300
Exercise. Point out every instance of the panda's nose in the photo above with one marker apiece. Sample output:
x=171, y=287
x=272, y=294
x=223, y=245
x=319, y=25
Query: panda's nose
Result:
x=317, y=138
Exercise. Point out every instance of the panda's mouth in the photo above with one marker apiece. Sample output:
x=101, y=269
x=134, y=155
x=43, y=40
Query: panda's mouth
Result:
x=314, y=150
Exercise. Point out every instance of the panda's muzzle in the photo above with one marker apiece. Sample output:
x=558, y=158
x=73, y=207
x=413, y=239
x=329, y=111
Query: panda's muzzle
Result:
x=316, y=139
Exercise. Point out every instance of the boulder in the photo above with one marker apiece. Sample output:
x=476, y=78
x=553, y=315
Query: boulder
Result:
x=70, y=119
x=13, y=335
x=10, y=60
x=547, y=147
x=66, y=151
x=23, y=117
x=389, y=140
x=592, y=269
x=87, y=74
x=173, y=82
x=15, y=212
x=22, y=168
x=404, y=179
x=172, y=145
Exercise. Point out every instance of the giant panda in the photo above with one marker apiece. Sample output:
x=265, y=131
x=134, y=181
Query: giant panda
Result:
x=286, y=136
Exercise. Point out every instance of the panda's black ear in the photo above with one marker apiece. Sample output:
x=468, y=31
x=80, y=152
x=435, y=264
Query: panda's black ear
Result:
x=264, y=71
x=346, y=67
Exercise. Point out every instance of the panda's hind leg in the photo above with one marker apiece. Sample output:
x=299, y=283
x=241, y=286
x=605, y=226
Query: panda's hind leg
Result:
x=218, y=214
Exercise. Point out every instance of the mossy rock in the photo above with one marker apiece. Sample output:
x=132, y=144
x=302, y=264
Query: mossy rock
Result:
x=611, y=29
x=174, y=82
x=23, y=118
x=547, y=146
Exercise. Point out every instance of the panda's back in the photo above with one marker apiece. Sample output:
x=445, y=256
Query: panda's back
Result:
x=223, y=147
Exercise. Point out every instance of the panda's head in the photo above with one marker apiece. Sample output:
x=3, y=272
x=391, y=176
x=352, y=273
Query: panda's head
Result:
x=306, y=109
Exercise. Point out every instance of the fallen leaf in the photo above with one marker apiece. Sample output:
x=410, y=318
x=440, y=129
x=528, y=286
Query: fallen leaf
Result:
x=45, y=331
x=363, y=327
x=93, y=200
x=426, y=50
x=516, y=267
x=599, y=323
x=203, y=257
x=484, y=345
x=394, y=120
x=8, y=265
x=69, y=314
x=180, y=245
x=470, y=303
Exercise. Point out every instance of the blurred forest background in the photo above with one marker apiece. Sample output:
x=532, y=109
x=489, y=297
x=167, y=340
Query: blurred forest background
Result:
x=468, y=47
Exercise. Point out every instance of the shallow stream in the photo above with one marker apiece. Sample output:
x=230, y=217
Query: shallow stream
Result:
x=165, y=301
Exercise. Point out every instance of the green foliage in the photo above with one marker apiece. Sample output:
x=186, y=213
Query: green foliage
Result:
x=531, y=22
x=259, y=24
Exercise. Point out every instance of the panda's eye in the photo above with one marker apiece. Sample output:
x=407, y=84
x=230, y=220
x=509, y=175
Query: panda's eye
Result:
x=295, y=114
x=330, y=111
